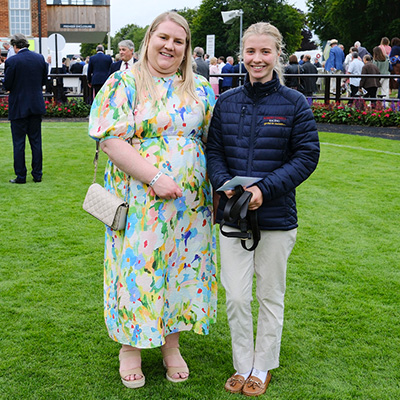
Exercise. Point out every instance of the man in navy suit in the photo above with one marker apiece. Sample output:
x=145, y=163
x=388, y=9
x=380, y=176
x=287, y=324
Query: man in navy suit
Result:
x=24, y=76
x=126, y=50
x=227, y=69
x=98, y=68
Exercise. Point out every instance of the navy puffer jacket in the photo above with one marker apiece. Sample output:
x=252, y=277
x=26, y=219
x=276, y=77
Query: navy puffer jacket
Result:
x=268, y=131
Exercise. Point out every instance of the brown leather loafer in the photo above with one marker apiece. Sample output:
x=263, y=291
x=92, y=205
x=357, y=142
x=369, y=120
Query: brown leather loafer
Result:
x=255, y=387
x=235, y=384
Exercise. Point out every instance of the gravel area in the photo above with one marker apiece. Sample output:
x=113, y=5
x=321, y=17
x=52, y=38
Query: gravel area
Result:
x=375, y=131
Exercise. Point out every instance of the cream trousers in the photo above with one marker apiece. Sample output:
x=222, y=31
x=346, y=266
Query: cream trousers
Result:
x=238, y=266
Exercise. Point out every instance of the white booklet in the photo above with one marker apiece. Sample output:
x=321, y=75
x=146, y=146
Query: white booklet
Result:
x=244, y=181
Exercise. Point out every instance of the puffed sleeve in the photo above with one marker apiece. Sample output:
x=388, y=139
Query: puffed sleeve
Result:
x=111, y=115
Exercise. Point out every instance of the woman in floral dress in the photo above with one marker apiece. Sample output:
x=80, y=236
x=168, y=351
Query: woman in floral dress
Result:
x=160, y=272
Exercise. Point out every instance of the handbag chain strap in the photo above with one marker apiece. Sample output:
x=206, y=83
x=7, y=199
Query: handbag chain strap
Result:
x=96, y=159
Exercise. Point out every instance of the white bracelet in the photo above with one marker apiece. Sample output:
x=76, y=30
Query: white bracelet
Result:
x=155, y=179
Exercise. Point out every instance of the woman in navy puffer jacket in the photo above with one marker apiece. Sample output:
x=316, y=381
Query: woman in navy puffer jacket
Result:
x=262, y=129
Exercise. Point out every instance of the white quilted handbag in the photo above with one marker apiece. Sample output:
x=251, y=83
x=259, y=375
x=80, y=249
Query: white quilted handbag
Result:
x=106, y=207
x=103, y=205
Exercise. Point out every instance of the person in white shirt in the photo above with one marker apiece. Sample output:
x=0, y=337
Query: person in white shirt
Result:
x=2, y=65
x=220, y=65
x=349, y=58
x=10, y=49
x=355, y=67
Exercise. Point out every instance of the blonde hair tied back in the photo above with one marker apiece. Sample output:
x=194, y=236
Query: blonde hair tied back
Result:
x=265, y=28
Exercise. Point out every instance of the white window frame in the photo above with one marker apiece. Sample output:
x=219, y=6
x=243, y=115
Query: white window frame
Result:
x=20, y=17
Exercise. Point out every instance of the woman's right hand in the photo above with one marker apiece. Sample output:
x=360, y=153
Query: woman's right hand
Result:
x=228, y=193
x=166, y=188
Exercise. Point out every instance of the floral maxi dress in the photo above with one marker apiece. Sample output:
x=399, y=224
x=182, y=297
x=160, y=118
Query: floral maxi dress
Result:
x=160, y=273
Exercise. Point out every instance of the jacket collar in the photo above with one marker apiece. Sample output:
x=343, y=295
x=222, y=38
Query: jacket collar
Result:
x=259, y=90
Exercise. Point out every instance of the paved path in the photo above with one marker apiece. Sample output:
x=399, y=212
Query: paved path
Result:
x=375, y=131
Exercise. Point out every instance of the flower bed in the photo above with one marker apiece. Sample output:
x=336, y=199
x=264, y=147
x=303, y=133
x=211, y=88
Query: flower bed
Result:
x=383, y=113
x=3, y=108
x=70, y=109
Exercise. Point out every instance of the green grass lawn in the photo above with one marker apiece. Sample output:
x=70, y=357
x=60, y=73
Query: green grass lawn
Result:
x=341, y=336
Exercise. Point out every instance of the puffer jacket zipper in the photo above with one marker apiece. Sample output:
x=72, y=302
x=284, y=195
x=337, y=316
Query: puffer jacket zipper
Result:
x=252, y=138
x=241, y=121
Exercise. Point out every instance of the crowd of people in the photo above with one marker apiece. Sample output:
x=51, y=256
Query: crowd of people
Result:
x=384, y=57
x=383, y=60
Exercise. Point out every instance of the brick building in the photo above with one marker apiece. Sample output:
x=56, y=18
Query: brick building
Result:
x=78, y=21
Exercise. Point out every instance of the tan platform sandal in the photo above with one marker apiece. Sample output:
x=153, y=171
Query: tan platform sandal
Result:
x=173, y=351
x=131, y=354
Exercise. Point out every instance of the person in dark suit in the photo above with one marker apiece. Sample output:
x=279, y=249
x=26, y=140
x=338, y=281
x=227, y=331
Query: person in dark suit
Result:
x=126, y=51
x=99, y=65
x=76, y=67
x=310, y=83
x=58, y=89
x=24, y=76
x=238, y=68
x=227, y=69
x=49, y=81
x=202, y=67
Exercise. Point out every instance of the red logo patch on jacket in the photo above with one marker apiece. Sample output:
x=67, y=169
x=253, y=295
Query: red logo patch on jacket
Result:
x=270, y=120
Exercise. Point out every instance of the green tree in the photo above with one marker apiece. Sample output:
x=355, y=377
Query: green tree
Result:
x=318, y=20
x=128, y=32
x=89, y=49
x=307, y=43
x=188, y=13
x=350, y=20
x=208, y=21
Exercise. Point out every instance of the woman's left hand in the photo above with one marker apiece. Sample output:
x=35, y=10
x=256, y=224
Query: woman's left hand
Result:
x=256, y=199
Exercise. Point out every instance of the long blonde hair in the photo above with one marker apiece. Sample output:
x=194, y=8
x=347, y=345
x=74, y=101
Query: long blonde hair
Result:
x=265, y=28
x=144, y=79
